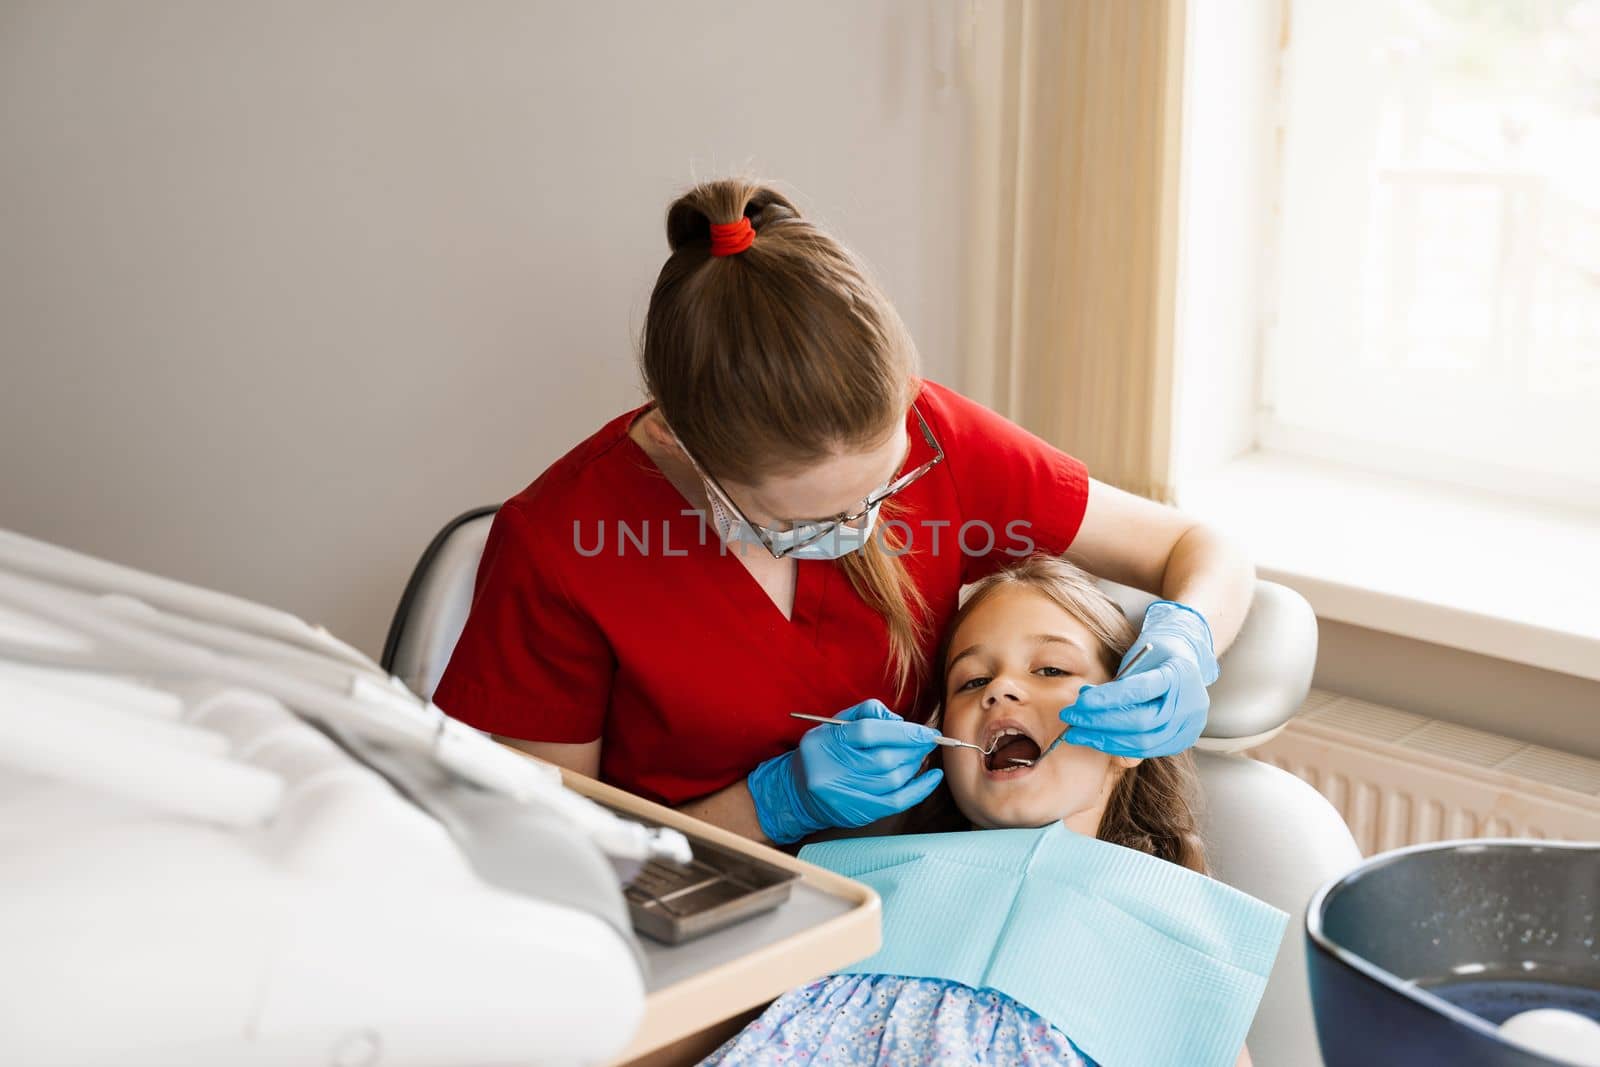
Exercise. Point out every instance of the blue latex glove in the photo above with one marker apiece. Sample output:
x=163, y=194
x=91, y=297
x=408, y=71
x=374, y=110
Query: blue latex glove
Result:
x=844, y=775
x=1160, y=708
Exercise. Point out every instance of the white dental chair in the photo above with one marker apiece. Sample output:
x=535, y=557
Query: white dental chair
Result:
x=1267, y=832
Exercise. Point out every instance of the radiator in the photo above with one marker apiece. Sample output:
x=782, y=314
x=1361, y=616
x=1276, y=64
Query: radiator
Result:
x=1399, y=778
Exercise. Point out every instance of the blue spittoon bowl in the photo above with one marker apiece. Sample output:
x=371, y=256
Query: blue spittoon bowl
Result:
x=1417, y=955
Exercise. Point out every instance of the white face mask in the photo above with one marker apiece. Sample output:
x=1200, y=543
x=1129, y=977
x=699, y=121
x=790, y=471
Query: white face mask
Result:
x=841, y=540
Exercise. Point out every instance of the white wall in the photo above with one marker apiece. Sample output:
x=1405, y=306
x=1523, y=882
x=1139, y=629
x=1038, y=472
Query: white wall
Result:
x=284, y=286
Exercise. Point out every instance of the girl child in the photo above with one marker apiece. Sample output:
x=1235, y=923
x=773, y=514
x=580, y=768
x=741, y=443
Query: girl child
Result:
x=1019, y=649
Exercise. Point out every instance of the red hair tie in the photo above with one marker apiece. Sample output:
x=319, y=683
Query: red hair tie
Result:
x=731, y=238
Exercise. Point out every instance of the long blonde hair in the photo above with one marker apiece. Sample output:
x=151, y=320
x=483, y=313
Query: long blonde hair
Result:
x=778, y=357
x=1151, y=808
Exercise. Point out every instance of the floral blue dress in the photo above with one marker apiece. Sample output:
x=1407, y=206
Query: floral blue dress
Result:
x=855, y=1020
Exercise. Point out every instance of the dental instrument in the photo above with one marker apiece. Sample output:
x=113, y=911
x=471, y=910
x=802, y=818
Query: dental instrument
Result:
x=1126, y=667
x=942, y=741
x=835, y=779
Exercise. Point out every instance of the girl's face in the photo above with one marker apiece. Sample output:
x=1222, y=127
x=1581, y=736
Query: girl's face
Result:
x=1015, y=661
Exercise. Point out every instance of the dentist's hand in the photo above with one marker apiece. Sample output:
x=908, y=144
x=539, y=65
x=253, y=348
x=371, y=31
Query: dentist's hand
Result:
x=844, y=775
x=1160, y=708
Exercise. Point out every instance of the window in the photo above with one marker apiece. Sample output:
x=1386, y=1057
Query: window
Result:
x=1434, y=295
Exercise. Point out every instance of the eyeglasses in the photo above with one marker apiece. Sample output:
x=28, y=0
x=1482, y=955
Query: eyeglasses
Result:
x=816, y=531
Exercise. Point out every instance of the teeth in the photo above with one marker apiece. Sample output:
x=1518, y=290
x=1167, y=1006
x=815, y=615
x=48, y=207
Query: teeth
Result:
x=1009, y=731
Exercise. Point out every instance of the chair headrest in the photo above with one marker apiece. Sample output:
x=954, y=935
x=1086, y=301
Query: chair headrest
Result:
x=1266, y=672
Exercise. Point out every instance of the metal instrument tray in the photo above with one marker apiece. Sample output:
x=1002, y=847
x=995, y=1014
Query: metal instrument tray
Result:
x=673, y=903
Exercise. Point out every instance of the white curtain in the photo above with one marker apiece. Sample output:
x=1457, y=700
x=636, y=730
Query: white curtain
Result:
x=1077, y=107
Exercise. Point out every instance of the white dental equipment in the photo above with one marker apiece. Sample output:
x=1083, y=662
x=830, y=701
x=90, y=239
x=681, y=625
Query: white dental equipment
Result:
x=191, y=872
x=112, y=619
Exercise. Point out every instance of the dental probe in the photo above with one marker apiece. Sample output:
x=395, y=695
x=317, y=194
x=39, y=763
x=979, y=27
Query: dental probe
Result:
x=941, y=740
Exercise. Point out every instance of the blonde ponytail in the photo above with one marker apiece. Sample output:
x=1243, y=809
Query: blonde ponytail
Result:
x=879, y=576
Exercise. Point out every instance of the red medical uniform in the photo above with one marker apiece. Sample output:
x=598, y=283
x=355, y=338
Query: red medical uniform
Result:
x=603, y=610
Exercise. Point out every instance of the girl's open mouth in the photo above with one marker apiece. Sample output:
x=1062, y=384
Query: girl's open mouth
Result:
x=1015, y=753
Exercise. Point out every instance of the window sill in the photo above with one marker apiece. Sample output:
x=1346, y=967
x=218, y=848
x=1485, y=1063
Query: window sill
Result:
x=1467, y=570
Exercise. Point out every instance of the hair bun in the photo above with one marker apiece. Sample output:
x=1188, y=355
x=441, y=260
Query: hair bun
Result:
x=724, y=202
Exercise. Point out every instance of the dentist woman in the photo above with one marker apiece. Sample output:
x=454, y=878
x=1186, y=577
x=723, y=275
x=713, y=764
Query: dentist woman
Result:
x=785, y=527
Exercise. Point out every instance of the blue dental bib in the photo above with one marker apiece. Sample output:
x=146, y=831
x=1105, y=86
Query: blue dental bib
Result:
x=1140, y=962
